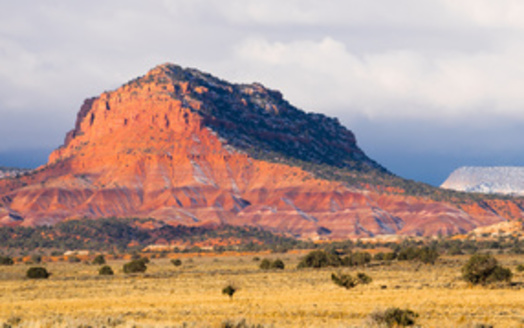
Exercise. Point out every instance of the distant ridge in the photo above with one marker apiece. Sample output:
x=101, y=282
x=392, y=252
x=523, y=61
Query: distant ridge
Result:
x=507, y=180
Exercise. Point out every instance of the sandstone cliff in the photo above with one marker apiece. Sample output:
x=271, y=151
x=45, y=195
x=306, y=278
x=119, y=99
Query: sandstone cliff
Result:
x=187, y=148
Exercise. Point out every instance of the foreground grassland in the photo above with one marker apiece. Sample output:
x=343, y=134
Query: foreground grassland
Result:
x=190, y=295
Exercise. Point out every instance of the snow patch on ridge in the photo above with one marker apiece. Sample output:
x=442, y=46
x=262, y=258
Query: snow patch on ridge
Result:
x=507, y=180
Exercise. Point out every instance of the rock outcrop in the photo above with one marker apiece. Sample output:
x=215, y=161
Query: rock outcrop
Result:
x=187, y=148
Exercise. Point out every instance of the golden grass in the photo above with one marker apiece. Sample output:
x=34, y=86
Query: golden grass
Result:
x=190, y=295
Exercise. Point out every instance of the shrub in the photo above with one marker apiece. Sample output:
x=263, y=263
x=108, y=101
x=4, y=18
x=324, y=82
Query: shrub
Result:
x=455, y=250
x=176, y=262
x=242, y=323
x=106, y=271
x=364, y=278
x=265, y=264
x=73, y=259
x=390, y=256
x=319, y=259
x=135, y=266
x=6, y=260
x=36, y=258
x=99, y=260
x=358, y=258
x=344, y=280
x=484, y=269
x=229, y=290
x=427, y=255
x=520, y=267
x=37, y=273
x=379, y=256
x=394, y=317
x=424, y=254
x=407, y=254
x=499, y=274
x=278, y=264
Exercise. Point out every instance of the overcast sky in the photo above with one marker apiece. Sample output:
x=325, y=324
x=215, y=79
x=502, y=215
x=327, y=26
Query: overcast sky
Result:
x=426, y=86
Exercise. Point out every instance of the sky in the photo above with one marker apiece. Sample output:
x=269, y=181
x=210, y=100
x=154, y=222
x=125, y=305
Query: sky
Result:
x=426, y=86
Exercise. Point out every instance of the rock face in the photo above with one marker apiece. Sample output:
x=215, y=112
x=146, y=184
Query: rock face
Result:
x=187, y=148
x=508, y=180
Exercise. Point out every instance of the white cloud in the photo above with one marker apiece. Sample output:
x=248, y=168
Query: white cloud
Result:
x=441, y=61
x=326, y=75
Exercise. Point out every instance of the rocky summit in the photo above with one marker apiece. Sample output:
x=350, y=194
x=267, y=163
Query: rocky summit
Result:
x=187, y=148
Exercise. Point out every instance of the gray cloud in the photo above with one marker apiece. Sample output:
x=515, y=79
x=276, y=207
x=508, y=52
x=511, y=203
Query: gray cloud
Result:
x=448, y=66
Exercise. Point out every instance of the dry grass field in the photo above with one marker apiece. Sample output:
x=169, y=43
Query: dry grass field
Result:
x=191, y=295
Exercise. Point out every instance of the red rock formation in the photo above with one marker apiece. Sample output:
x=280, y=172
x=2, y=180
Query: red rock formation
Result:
x=184, y=147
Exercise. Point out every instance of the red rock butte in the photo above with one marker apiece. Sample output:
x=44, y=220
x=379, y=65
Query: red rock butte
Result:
x=187, y=148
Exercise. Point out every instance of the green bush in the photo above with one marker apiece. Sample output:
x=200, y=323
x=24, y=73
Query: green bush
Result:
x=394, y=317
x=319, y=259
x=36, y=258
x=278, y=264
x=484, y=269
x=265, y=264
x=73, y=259
x=37, y=273
x=6, y=260
x=99, y=260
x=229, y=290
x=520, y=267
x=135, y=266
x=364, y=278
x=176, y=262
x=356, y=259
x=424, y=254
x=106, y=271
x=390, y=256
x=379, y=256
x=344, y=280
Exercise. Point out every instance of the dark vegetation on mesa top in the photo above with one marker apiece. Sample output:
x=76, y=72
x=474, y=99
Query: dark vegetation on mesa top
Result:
x=260, y=122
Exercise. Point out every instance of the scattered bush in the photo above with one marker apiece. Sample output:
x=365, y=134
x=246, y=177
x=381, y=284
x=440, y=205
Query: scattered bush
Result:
x=267, y=264
x=99, y=260
x=394, y=317
x=135, y=266
x=356, y=259
x=344, y=280
x=242, y=323
x=379, y=256
x=229, y=290
x=427, y=255
x=106, y=271
x=484, y=269
x=36, y=258
x=6, y=260
x=37, y=273
x=520, y=267
x=319, y=259
x=176, y=262
x=455, y=250
x=73, y=259
x=278, y=264
x=390, y=256
x=364, y=278
x=424, y=254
